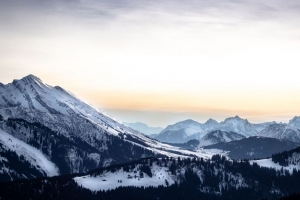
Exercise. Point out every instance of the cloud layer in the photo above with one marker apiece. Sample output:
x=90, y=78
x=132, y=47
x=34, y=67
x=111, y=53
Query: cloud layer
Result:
x=202, y=56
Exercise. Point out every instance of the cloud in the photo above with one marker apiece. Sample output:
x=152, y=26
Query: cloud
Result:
x=219, y=51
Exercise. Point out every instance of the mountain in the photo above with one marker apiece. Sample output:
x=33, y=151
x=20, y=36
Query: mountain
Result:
x=189, y=129
x=185, y=130
x=253, y=147
x=166, y=178
x=238, y=125
x=70, y=133
x=144, y=128
x=218, y=136
x=282, y=131
x=295, y=122
x=261, y=126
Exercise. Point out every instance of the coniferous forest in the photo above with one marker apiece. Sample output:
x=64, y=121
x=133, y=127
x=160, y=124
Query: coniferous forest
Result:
x=220, y=179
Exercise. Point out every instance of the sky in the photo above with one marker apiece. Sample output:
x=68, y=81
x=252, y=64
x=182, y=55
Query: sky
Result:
x=160, y=62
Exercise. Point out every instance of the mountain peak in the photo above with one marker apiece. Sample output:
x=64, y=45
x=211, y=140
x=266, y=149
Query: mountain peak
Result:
x=295, y=118
x=187, y=121
x=234, y=118
x=211, y=121
x=29, y=79
x=295, y=122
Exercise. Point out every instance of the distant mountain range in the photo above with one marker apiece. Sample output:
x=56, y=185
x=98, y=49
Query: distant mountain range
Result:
x=144, y=128
x=189, y=129
x=184, y=131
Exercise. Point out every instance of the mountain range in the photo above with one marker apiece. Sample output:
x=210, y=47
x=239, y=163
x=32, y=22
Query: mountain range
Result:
x=184, y=131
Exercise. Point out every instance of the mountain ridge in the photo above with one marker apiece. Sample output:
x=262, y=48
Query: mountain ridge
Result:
x=186, y=130
x=74, y=135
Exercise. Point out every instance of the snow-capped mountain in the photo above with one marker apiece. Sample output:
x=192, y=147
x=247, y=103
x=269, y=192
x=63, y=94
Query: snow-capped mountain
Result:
x=253, y=147
x=262, y=126
x=186, y=130
x=70, y=133
x=238, y=125
x=210, y=124
x=295, y=122
x=282, y=131
x=144, y=128
x=218, y=136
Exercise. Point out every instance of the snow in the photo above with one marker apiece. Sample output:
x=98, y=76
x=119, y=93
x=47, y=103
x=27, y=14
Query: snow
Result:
x=219, y=136
x=281, y=131
x=31, y=154
x=109, y=180
x=270, y=164
x=212, y=152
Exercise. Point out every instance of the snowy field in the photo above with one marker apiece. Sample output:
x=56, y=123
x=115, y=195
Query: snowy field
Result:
x=109, y=180
x=270, y=164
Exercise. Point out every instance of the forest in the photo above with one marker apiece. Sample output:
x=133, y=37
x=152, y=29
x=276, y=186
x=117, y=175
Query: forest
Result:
x=218, y=181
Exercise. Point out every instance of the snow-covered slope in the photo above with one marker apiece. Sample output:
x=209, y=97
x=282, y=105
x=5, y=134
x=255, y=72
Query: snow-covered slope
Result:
x=218, y=136
x=283, y=161
x=281, y=131
x=71, y=133
x=35, y=157
x=270, y=164
x=111, y=180
x=144, y=128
